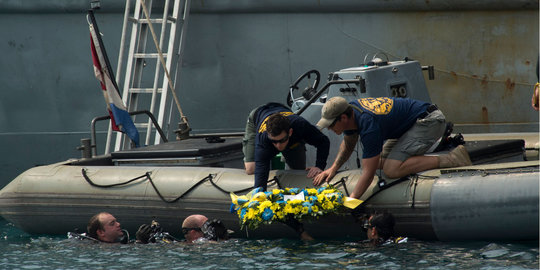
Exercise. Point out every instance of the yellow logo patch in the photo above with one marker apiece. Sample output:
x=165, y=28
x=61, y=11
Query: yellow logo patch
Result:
x=262, y=128
x=379, y=106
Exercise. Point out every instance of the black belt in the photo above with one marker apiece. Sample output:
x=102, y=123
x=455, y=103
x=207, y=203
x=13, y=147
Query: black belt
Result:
x=431, y=108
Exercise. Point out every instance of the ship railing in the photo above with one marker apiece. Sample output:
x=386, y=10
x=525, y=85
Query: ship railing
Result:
x=93, y=142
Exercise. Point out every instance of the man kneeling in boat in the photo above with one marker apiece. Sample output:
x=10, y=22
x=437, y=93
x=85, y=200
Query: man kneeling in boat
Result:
x=406, y=127
x=273, y=128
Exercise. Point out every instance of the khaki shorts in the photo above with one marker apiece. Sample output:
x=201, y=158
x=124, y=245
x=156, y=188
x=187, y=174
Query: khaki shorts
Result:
x=418, y=139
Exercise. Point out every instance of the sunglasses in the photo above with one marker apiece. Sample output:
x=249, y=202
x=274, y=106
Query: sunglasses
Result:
x=367, y=225
x=282, y=140
x=186, y=230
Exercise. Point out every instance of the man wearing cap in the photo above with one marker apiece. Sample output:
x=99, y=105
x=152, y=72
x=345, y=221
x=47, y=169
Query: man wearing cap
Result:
x=406, y=127
x=273, y=128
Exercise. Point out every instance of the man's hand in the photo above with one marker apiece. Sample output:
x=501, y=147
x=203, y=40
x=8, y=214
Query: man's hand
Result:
x=324, y=176
x=143, y=234
x=313, y=171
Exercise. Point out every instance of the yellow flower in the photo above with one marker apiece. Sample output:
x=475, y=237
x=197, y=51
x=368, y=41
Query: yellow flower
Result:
x=264, y=205
x=328, y=205
x=251, y=213
x=295, y=201
x=277, y=191
x=312, y=191
x=288, y=209
x=315, y=209
x=305, y=210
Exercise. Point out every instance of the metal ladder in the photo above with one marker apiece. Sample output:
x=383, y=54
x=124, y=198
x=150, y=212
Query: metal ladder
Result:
x=144, y=56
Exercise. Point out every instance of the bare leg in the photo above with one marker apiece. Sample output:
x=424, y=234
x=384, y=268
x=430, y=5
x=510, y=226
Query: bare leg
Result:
x=250, y=167
x=395, y=168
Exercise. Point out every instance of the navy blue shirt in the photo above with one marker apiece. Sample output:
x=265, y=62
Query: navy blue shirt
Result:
x=383, y=118
x=303, y=132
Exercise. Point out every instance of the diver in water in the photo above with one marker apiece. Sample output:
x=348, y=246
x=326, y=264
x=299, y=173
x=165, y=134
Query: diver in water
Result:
x=379, y=228
x=195, y=228
x=103, y=227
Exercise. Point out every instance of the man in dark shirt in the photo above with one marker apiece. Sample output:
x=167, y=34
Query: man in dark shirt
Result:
x=394, y=133
x=273, y=128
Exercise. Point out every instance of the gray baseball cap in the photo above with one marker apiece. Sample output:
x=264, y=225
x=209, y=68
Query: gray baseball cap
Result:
x=333, y=108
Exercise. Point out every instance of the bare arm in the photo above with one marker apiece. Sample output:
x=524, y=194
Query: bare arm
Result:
x=369, y=166
x=345, y=150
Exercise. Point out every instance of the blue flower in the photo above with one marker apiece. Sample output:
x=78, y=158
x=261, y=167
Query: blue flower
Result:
x=321, y=189
x=243, y=213
x=294, y=191
x=306, y=193
x=233, y=208
x=267, y=214
x=308, y=205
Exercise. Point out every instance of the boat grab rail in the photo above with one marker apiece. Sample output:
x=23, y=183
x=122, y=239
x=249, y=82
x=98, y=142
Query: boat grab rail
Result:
x=93, y=144
x=147, y=175
x=341, y=182
x=324, y=88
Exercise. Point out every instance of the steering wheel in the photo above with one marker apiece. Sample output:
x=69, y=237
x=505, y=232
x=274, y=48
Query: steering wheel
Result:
x=310, y=89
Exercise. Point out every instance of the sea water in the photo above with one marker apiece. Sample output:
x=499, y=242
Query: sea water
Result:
x=23, y=251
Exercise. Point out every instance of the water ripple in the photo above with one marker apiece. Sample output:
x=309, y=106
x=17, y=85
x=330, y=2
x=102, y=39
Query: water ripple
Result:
x=22, y=251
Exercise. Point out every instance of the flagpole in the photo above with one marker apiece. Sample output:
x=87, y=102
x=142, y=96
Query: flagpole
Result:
x=120, y=118
x=109, y=130
x=103, y=51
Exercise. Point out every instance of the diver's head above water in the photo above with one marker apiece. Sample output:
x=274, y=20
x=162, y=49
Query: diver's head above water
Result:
x=105, y=228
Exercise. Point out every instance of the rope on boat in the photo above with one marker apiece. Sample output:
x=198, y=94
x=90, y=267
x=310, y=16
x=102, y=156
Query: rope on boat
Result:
x=383, y=185
x=149, y=178
x=342, y=182
x=415, y=184
x=111, y=185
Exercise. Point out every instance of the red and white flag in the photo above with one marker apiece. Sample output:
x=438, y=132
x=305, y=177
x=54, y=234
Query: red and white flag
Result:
x=120, y=118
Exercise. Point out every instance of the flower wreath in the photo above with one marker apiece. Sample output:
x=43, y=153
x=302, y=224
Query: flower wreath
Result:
x=257, y=207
